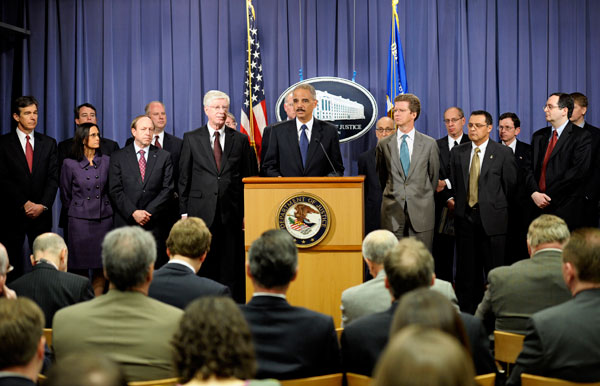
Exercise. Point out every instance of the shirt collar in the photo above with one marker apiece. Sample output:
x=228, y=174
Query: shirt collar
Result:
x=22, y=135
x=560, y=128
x=161, y=137
x=452, y=140
x=212, y=130
x=181, y=262
x=308, y=124
x=481, y=147
x=282, y=296
x=137, y=148
x=513, y=145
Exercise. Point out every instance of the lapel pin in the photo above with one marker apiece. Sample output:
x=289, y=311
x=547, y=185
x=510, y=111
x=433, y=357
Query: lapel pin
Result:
x=491, y=156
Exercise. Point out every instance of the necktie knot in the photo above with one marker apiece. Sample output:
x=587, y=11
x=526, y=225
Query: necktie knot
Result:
x=404, y=137
x=142, y=152
x=455, y=143
x=477, y=150
x=28, y=137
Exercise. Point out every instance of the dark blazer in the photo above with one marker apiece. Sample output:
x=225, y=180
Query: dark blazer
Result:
x=566, y=171
x=592, y=189
x=52, y=289
x=372, y=190
x=563, y=341
x=445, y=155
x=283, y=156
x=201, y=185
x=291, y=342
x=264, y=146
x=479, y=344
x=497, y=184
x=523, y=155
x=128, y=192
x=177, y=285
x=16, y=381
x=173, y=145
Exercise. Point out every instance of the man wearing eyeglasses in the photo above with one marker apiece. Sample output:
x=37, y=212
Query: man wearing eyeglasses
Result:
x=483, y=174
x=561, y=160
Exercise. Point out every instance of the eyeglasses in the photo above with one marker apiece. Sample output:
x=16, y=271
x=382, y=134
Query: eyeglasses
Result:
x=477, y=125
x=500, y=128
x=384, y=130
x=452, y=120
x=549, y=107
x=219, y=108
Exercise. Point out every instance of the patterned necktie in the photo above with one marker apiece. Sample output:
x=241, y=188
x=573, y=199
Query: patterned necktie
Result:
x=29, y=154
x=303, y=144
x=156, y=143
x=551, y=144
x=142, y=163
x=404, y=155
x=474, y=179
x=217, y=151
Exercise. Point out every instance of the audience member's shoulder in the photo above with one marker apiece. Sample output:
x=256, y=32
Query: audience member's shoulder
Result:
x=352, y=292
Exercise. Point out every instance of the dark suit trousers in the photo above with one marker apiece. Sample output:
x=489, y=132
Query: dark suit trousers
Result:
x=477, y=254
x=13, y=239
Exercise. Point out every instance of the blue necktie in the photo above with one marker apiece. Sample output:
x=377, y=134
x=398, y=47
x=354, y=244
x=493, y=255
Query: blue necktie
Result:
x=404, y=155
x=303, y=144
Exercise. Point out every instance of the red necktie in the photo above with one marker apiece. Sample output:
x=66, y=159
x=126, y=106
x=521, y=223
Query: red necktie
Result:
x=156, y=143
x=218, y=152
x=142, y=163
x=29, y=154
x=551, y=144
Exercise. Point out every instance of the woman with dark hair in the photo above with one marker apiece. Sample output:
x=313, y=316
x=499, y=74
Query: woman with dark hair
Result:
x=84, y=194
x=213, y=345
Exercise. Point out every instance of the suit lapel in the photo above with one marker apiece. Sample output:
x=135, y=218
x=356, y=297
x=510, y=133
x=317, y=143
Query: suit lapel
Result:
x=292, y=142
x=465, y=159
x=37, y=151
x=488, y=158
x=18, y=153
x=416, y=153
x=564, y=137
x=229, y=139
x=152, y=150
x=133, y=164
x=205, y=141
x=542, y=145
x=394, y=153
x=315, y=137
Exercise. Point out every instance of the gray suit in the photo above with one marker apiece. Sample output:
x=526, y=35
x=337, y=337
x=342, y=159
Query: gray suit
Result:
x=372, y=296
x=411, y=195
x=518, y=291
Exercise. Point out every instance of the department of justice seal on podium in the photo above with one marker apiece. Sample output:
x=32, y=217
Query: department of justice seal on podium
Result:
x=305, y=217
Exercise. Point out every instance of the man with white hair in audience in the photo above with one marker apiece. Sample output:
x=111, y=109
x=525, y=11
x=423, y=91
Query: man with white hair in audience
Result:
x=5, y=268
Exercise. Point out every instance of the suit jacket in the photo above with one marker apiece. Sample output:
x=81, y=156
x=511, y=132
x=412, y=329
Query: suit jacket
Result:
x=372, y=296
x=414, y=191
x=15, y=380
x=131, y=328
x=372, y=190
x=592, y=190
x=52, y=289
x=518, y=291
x=283, y=157
x=128, y=192
x=497, y=184
x=445, y=155
x=173, y=145
x=201, y=185
x=291, y=342
x=563, y=341
x=177, y=285
x=266, y=136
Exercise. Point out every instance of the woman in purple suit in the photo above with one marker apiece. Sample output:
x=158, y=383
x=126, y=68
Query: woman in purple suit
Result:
x=84, y=193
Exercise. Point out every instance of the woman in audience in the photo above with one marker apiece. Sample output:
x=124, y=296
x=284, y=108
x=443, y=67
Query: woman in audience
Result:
x=421, y=356
x=213, y=345
x=84, y=194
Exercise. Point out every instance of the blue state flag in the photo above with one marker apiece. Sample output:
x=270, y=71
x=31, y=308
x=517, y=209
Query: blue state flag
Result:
x=396, y=78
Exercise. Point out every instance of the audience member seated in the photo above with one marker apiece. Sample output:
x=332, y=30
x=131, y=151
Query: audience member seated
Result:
x=564, y=341
x=408, y=266
x=291, y=342
x=430, y=309
x=22, y=342
x=419, y=356
x=176, y=283
x=518, y=291
x=5, y=268
x=372, y=296
x=213, y=345
x=86, y=369
x=49, y=284
x=133, y=329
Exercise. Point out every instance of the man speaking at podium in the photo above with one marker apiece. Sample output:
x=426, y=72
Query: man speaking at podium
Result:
x=305, y=146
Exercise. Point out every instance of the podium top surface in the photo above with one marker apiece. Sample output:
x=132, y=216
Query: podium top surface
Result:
x=283, y=180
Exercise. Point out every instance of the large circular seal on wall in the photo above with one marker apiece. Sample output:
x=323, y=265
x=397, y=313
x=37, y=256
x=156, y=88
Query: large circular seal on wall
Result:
x=305, y=217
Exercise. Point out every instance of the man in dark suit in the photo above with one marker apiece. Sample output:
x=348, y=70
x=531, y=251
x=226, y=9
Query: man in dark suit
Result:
x=140, y=182
x=29, y=180
x=214, y=159
x=561, y=161
x=301, y=148
x=592, y=190
x=49, y=284
x=372, y=187
x=290, y=342
x=443, y=239
x=564, y=341
x=509, y=126
x=484, y=176
x=23, y=342
x=176, y=283
x=288, y=106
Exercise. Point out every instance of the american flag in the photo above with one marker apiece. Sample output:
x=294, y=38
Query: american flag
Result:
x=254, y=109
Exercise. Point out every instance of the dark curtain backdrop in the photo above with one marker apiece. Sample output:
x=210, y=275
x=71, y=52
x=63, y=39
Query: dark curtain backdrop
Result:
x=498, y=55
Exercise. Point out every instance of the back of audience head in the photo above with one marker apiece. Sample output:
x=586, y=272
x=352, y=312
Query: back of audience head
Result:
x=408, y=266
x=21, y=336
x=419, y=356
x=547, y=231
x=189, y=237
x=581, y=260
x=50, y=246
x=213, y=341
x=273, y=260
x=4, y=265
x=128, y=256
x=85, y=369
x=427, y=308
x=377, y=244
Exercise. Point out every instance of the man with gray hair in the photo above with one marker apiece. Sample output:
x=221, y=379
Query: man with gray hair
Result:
x=518, y=291
x=214, y=159
x=133, y=329
x=49, y=284
x=373, y=296
x=5, y=268
x=290, y=342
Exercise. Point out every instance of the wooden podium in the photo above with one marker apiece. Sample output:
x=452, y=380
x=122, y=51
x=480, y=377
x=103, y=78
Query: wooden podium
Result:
x=328, y=268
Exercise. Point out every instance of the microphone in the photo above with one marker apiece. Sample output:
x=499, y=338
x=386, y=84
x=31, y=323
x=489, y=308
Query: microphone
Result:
x=328, y=159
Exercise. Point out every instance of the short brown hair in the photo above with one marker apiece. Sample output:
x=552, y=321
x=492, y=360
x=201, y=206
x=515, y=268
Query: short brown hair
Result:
x=21, y=327
x=583, y=251
x=408, y=266
x=414, y=104
x=189, y=237
x=580, y=99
